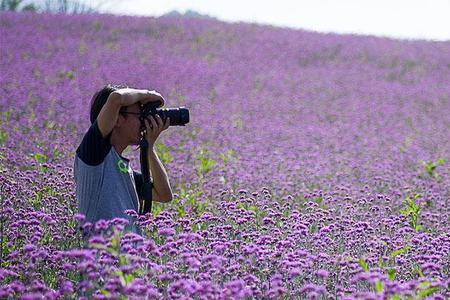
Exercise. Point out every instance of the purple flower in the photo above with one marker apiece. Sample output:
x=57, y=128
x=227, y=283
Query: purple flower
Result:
x=79, y=217
x=322, y=273
x=101, y=225
x=29, y=248
x=97, y=240
x=237, y=289
x=131, y=213
x=166, y=231
x=294, y=272
x=333, y=148
x=31, y=296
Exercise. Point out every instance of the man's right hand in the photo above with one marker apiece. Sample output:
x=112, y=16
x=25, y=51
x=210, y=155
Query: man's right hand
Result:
x=129, y=96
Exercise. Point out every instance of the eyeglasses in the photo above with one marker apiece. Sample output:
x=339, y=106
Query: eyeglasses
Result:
x=129, y=112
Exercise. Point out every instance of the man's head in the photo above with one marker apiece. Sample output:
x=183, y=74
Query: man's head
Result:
x=127, y=124
x=100, y=97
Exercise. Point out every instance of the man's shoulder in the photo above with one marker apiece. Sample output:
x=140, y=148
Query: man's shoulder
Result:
x=94, y=147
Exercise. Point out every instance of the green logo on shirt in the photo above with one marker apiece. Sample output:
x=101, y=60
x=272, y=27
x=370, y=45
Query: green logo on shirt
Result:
x=122, y=166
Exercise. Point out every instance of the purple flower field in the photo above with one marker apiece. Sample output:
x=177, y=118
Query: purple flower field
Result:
x=315, y=166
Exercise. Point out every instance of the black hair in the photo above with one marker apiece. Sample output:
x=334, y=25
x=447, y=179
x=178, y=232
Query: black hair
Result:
x=100, y=97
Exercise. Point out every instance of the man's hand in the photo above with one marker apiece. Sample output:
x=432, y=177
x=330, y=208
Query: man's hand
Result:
x=129, y=96
x=155, y=128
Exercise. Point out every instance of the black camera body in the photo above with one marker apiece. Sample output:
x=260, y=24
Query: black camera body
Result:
x=179, y=116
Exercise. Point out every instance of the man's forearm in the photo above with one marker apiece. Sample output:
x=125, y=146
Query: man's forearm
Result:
x=159, y=174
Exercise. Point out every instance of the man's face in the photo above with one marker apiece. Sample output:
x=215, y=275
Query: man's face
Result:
x=131, y=124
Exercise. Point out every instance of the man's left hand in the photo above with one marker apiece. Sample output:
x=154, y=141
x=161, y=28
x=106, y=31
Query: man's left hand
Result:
x=155, y=128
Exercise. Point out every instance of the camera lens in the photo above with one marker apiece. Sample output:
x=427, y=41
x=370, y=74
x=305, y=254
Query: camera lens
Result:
x=179, y=116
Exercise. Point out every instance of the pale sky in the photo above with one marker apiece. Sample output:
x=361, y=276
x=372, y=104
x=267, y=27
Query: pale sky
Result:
x=405, y=19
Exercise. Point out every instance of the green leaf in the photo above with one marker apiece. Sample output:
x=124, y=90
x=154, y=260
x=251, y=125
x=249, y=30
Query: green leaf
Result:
x=423, y=284
x=56, y=153
x=82, y=48
x=363, y=264
x=115, y=242
x=224, y=158
x=427, y=292
x=253, y=208
x=400, y=251
x=122, y=260
x=379, y=286
x=405, y=211
x=7, y=115
x=140, y=272
x=181, y=211
x=98, y=246
x=430, y=167
x=129, y=278
x=163, y=153
x=208, y=164
x=380, y=262
x=227, y=157
x=157, y=208
x=391, y=274
x=3, y=137
x=121, y=278
x=318, y=200
x=419, y=272
x=70, y=75
x=205, y=163
x=40, y=158
x=240, y=205
x=440, y=161
x=412, y=210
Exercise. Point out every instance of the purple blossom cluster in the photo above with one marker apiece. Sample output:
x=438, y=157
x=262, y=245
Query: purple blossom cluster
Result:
x=315, y=166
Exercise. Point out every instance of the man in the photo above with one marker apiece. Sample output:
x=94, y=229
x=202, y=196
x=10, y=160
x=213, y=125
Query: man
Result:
x=106, y=185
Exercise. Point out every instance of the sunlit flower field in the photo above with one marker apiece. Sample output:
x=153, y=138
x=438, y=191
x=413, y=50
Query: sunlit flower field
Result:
x=315, y=166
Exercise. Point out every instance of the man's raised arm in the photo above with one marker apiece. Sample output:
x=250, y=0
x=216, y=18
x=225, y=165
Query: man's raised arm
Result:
x=108, y=115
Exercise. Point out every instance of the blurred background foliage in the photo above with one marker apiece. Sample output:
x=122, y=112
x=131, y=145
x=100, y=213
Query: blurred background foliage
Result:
x=54, y=6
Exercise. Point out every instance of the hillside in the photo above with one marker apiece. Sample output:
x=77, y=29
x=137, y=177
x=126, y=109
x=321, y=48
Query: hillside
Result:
x=292, y=178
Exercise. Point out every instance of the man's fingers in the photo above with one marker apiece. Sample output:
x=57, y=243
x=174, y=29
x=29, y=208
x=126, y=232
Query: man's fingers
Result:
x=160, y=121
x=129, y=96
x=153, y=122
x=152, y=96
x=167, y=123
x=147, y=124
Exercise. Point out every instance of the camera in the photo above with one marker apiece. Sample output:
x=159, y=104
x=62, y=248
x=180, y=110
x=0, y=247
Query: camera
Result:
x=179, y=116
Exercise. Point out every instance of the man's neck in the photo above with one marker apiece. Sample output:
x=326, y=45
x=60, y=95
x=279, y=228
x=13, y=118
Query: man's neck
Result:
x=119, y=146
x=119, y=149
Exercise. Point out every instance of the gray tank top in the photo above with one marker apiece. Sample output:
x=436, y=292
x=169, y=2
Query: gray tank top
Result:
x=106, y=185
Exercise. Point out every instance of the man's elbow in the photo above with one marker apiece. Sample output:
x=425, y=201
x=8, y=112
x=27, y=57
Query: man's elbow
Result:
x=166, y=197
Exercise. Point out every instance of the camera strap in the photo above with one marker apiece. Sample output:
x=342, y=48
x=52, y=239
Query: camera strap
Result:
x=147, y=185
